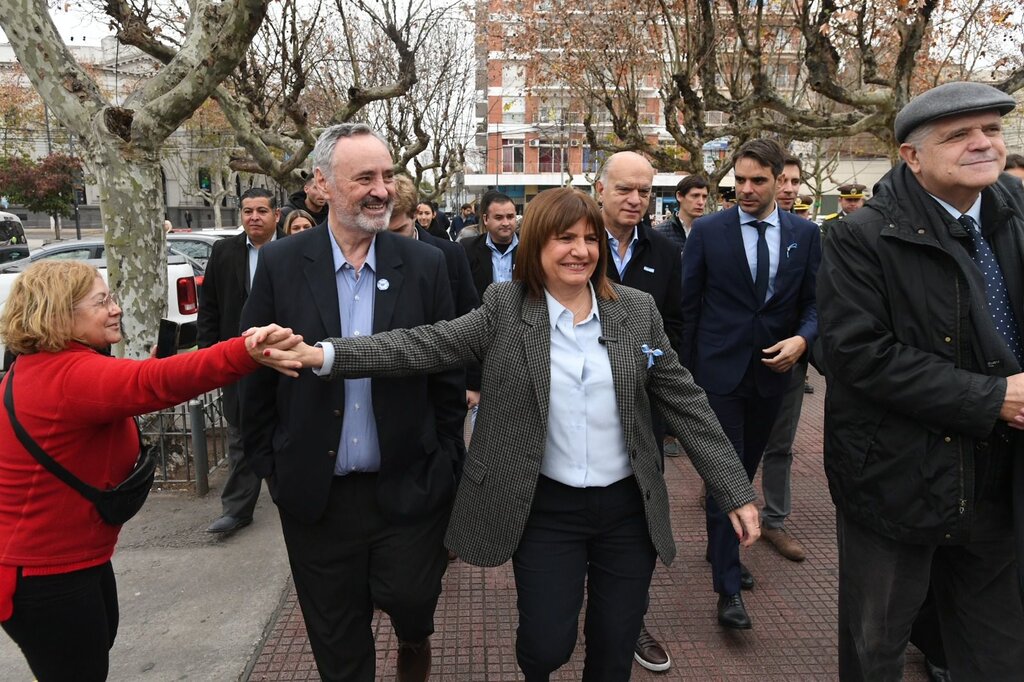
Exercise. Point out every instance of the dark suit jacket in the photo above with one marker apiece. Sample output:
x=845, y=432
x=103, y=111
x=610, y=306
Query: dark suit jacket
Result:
x=222, y=296
x=725, y=327
x=291, y=427
x=655, y=268
x=464, y=294
x=480, y=265
x=511, y=334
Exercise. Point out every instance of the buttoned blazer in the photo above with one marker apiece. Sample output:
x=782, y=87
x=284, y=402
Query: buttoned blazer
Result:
x=480, y=263
x=724, y=325
x=510, y=334
x=222, y=296
x=291, y=427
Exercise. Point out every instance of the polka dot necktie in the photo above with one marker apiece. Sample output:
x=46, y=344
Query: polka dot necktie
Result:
x=998, y=299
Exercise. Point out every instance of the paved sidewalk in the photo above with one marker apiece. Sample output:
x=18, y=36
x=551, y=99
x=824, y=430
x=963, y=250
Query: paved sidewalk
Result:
x=793, y=606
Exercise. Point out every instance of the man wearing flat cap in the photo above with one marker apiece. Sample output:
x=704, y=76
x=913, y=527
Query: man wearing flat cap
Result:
x=921, y=300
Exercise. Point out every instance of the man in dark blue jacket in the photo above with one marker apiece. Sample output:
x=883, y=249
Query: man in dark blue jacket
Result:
x=748, y=317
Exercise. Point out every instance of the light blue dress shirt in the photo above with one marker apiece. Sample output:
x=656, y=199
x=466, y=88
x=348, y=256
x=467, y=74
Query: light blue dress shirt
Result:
x=585, y=445
x=621, y=262
x=254, y=256
x=974, y=211
x=773, y=235
x=501, y=263
x=359, y=448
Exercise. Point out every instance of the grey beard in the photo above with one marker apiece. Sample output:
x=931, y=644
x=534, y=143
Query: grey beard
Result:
x=372, y=225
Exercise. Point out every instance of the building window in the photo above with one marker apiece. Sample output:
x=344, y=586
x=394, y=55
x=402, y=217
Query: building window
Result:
x=512, y=156
x=551, y=157
x=593, y=160
x=513, y=109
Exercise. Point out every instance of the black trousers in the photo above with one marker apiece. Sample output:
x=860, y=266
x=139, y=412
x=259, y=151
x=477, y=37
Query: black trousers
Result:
x=242, y=487
x=747, y=420
x=352, y=560
x=65, y=624
x=573, y=536
x=884, y=583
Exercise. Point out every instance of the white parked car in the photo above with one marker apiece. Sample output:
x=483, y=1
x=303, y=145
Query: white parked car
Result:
x=182, y=292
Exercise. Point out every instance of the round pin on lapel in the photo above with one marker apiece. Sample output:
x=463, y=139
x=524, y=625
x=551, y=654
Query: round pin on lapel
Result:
x=383, y=284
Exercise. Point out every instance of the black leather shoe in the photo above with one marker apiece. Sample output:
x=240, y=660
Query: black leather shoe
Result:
x=732, y=613
x=746, y=578
x=228, y=524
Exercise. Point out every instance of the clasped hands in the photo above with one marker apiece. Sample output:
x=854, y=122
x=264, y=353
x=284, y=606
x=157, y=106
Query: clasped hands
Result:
x=277, y=347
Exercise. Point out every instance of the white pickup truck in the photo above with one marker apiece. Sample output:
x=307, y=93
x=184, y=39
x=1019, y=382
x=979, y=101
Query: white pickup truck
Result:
x=182, y=295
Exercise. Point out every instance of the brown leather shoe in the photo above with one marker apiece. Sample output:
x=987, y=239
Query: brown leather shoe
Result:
x=649, y=653
x=413, y=661
x=783, y=543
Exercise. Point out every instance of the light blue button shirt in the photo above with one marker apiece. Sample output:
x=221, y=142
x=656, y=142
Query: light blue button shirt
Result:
x=254, y=255
x=585, y=445
x=501, y=263
x=359, y=448
x=773, y=235
x=974, y=211
x=621, y=262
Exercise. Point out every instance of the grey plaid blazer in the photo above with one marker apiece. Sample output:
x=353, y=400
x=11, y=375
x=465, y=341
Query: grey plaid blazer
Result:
x=510, y=335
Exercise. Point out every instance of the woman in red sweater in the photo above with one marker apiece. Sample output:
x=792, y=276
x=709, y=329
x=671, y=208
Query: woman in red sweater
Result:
x=58, y=598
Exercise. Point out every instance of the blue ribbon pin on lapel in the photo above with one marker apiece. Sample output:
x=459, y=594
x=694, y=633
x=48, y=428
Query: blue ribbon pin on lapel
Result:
x=651, y=353
x=790, y=248
x=383, y=284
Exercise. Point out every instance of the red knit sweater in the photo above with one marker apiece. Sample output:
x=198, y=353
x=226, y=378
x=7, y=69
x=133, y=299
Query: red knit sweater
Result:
x=78, y=404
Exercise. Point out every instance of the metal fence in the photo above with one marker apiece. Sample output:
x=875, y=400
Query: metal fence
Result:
x=191, y=439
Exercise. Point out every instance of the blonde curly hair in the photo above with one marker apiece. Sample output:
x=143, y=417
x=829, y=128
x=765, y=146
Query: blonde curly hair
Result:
x=39, y=314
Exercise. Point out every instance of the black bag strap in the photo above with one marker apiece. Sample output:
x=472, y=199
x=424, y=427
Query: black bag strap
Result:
x=49, y=463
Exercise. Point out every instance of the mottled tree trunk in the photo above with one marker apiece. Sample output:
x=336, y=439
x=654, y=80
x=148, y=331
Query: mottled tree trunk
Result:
x=131, y=204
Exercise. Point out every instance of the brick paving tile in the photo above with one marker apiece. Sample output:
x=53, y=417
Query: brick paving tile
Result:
x=793, y=606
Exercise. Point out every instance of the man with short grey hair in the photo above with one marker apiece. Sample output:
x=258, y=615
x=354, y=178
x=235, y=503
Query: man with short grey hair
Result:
x=921, y=300
x=362, y=471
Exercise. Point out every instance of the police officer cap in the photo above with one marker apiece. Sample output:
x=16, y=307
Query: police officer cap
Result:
x=803, y=202
x=853, y=190
x=948, y=100
x=727, y=193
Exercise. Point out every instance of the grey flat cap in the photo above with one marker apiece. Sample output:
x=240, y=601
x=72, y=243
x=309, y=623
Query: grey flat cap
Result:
x=948, y=100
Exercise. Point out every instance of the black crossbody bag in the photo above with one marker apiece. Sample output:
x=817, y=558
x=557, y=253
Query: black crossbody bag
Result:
x=115, y=505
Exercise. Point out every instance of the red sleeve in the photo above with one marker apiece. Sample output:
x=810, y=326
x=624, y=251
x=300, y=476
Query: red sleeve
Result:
x=97, y=388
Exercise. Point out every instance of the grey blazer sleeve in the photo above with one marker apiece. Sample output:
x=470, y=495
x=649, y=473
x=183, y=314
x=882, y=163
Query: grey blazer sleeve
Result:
x=684, y=406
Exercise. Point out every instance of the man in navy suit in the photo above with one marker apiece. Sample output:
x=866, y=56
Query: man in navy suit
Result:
x=748, y=317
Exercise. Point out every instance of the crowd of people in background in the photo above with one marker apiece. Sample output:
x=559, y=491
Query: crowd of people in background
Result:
x=584, y=344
